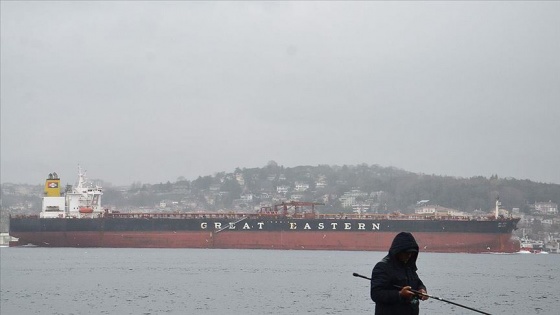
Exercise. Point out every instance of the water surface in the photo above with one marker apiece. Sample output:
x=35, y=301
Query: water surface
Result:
x=216, y=281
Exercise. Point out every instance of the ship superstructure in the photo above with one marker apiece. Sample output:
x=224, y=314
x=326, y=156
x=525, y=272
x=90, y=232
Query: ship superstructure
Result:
x=81, y=201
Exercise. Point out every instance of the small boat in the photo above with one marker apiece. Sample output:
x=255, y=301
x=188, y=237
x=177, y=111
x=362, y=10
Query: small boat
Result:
x=532, y=246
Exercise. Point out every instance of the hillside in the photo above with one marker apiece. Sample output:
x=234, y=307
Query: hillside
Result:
x=384, y=189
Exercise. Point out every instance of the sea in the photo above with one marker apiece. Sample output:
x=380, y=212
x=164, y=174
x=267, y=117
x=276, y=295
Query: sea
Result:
x=76, y=281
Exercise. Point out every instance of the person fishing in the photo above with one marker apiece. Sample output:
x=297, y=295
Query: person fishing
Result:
x=393, y=278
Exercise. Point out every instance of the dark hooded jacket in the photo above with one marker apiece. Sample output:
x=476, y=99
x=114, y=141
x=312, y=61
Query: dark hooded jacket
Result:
x=391, y=272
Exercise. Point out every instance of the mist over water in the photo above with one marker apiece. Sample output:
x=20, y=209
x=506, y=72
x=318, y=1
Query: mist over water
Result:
x=212, y=281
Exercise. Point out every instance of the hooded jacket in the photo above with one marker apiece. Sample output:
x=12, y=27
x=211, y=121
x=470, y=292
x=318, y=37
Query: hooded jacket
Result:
x=391, y=272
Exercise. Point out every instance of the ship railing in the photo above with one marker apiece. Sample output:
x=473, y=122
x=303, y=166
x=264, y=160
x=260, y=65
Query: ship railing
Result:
x=391, y=217
x=270, y=216
x=189, y=215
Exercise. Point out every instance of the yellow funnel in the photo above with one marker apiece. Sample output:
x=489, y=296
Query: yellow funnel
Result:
x=52, y=186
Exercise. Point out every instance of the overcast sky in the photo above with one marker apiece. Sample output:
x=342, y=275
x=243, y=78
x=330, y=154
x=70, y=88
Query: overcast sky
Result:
x=150, y=91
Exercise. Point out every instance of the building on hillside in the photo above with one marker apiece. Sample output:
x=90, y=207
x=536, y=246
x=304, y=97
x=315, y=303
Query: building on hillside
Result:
x=360, y=208
x=301, y=186
x=247, y=197
x=282, y=189
x=321, y=182
x=240, y=180
x=355, y=196
x=265, y=196
x=296, y=197
x=549, y=208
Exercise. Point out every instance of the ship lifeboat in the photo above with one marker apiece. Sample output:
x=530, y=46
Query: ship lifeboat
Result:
x=86, y=210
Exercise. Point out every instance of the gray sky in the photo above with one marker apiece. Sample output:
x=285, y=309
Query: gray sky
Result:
x=150, y=90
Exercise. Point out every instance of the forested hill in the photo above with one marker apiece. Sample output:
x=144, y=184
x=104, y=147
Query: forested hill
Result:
x=386, y=188
x=383, y=189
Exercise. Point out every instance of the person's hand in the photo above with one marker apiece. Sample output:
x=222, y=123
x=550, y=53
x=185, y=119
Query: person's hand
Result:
x=406, y=293
x=423, y=297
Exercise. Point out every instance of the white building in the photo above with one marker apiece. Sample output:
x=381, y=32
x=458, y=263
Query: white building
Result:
x=282, y=189
x=301, y=186
x=550, y=207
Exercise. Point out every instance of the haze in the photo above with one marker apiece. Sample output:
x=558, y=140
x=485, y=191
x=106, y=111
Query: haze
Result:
x=150, y=90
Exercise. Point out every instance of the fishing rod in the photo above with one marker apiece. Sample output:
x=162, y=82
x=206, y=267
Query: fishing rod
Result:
x=430, y=296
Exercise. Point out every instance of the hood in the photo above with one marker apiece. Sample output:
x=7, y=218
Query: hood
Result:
x=402, y=242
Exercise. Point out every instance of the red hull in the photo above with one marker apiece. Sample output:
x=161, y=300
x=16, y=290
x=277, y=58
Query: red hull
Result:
x=380, y=241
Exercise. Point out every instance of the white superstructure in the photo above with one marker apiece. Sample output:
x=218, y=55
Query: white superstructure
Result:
x=81, y=201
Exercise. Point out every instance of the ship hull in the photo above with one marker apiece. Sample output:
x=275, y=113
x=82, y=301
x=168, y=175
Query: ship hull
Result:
x=432, y=236
x=358, y=241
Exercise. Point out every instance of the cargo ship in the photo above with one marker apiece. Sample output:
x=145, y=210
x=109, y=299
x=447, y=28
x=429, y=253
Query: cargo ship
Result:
x=75, y=218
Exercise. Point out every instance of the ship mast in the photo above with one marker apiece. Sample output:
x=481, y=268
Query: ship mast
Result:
x=81, y=179
x=498, y=204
